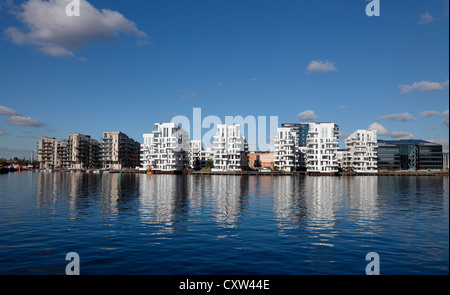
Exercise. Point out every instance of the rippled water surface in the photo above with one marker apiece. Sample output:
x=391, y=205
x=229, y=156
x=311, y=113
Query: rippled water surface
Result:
x=167, y=224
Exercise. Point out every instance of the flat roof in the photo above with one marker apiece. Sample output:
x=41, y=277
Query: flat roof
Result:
x=407, y=142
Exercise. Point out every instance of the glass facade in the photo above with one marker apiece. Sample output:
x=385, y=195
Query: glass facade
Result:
x=409, y=154
x=388, y=157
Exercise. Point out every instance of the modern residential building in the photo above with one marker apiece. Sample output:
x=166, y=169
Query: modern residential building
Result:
x=166, y=148
x=322, y=144
x=409, y=154
x=361, y=152
x=301, y=130
x=230, y=149
x=259, y=160
x=286, y=143
x=198, y=156
x=82, y=152
x=118, y=151
x=47, y=152
x=341, y=158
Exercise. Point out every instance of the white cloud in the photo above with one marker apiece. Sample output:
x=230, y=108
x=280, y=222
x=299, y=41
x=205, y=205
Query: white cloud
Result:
x=425, y=18
x=307, y=116
x=443, y=142
x=398, y=117
x=8, y=112
x=423, y=86
x=24, y=121
x=3, y=132
x=381, y=131
x=56, y=34
x=427, y=114
x=319, y=66
x=379, y=128
x=445, y=115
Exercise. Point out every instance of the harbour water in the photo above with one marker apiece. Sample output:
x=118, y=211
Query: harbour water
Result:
x=218, y=224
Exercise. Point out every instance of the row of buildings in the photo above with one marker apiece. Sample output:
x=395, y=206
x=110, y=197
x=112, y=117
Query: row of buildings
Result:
x=78, y=151
x=311, y=147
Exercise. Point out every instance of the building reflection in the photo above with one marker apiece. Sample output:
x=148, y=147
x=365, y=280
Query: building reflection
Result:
x=110, y=192
x=362, y=199
x=229, y=201
x=163, y=200
x=289, y=202
x=197, y=187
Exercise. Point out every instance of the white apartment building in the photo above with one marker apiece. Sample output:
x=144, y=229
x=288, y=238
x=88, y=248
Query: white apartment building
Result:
x=322, y=144
x=361, y=152
x=166, y=148
x=198, y=156
x=229, y=149
x=286, y=156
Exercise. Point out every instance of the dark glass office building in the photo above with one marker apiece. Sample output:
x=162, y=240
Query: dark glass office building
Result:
x=409, y=154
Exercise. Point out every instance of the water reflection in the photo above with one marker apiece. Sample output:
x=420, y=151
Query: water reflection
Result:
x=317, y=224
x=230, y=195
x=314, y=204
x=362, y=198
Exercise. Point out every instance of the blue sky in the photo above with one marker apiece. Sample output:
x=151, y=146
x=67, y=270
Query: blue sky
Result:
x=124, y=65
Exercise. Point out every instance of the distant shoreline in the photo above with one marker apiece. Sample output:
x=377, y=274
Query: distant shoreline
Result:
x=249, y=173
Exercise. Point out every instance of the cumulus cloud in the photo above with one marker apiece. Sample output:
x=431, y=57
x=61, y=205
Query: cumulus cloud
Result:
x=427, y=114
x=54, y=33
x=8, y=112
x=2, y=132
x=381, y=131
x=24, y=121
x=307, y=116
x=398, y=117
x=320, y=66
x=423, y=86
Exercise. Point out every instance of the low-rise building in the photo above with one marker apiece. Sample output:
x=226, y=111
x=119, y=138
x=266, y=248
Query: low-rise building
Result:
x=260, y=160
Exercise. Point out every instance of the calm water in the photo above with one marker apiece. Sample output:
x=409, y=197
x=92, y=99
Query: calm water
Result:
x=167, y=224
